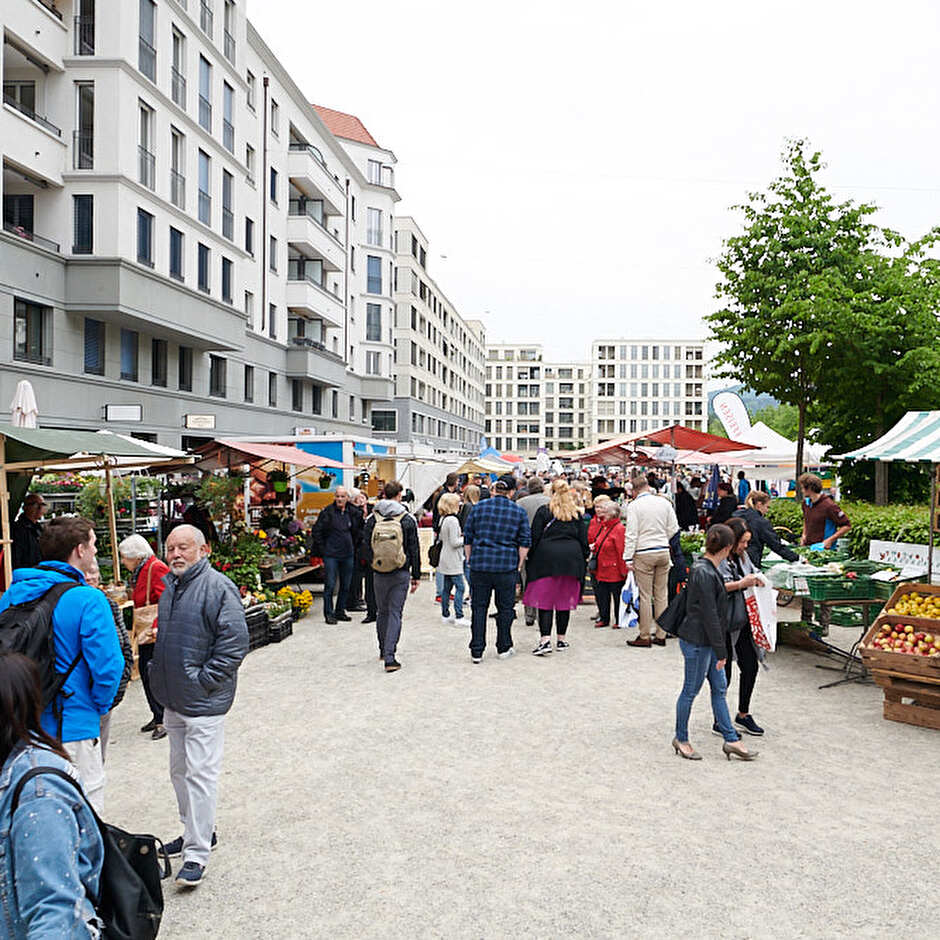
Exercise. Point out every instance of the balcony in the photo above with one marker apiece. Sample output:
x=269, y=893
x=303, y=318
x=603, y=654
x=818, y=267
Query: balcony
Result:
x=304, y=293
x=39, y=27
x=35, y=153
x=20, y=232
x=308, y=359
x=177, y=189
x=307, y=233
x=307, y=168
x=178, y=87
x=146, y=167
x=84, y=31
x=43, y=122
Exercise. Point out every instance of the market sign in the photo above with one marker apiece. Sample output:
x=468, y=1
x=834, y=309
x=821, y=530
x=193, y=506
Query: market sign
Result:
x=199, y=422
x=123, y=412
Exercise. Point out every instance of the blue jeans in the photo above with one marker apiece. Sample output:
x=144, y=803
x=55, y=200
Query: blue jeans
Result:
x=482, y=585
x=700, y=662
x=454, y=581
x=336, y=569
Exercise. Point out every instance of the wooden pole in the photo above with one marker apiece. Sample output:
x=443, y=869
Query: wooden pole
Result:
x=112, y=527
x=933, y=520
x=5, y=516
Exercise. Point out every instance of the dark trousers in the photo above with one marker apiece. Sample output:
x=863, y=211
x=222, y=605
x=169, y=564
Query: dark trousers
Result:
x=561, y=622
x=482, y=585
x=355, y=584
x=145, y=654
x=391, y=592
x=605, y=592
x=370, y=592
x=336, y=571
x=747, y=666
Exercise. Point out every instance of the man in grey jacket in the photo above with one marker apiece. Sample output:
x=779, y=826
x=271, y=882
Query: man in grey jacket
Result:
x=201, y=642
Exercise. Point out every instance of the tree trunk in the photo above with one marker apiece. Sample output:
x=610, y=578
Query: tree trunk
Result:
x=881, y=483
x=800, y=436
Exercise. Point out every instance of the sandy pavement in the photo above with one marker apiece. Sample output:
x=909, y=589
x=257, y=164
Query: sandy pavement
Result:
x=540, y=797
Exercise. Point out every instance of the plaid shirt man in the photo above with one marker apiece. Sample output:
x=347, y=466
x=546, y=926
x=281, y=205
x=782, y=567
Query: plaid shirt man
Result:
x=495, y=531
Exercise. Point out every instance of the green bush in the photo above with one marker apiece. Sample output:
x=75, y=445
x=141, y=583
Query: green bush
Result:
x=883, y=523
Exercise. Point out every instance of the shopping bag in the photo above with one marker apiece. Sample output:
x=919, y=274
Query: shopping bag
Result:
x=629, y=603
x=761, y=604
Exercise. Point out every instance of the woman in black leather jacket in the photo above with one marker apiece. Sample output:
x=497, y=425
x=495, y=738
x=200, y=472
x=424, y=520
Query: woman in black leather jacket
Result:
x=703, y=640
x=762, y=532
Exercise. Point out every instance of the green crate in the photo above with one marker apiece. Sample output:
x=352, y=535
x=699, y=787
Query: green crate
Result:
x=837, y=587
x=846, y=616
x=884, y=589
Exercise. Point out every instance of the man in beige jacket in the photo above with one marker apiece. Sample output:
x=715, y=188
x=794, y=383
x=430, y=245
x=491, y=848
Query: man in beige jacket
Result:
x=651, y=523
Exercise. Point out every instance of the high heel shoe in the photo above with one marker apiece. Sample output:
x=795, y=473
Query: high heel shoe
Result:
x=693, y=756
x=738, y=750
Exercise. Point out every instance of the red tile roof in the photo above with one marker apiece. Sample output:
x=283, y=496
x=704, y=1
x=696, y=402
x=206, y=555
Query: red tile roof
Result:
x=345, y=125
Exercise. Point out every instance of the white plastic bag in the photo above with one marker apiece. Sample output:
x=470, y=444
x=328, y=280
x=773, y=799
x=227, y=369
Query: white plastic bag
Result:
x=761, y=604
x=629, y=603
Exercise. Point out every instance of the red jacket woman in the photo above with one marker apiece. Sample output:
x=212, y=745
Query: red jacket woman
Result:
x=606, y=537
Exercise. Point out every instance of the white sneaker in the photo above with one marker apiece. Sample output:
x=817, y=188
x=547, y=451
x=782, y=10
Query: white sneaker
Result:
x=462, y=622
x=508, y=653
x=450, y=619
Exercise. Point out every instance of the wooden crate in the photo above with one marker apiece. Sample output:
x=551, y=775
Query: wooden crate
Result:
x=910, y=587
x=901, y=664
x=922, y=710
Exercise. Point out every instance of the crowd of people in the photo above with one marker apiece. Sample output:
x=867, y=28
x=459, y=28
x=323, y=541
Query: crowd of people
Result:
x=538, y=539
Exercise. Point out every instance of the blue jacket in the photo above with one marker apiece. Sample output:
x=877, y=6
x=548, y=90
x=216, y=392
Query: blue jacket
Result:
x=50, y=852
x=81, y=623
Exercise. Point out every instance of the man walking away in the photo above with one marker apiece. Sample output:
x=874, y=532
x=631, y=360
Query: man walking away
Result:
x=392, y=536
x=536, y=497
x=336, y=535
x=25, y=533
x=744, y=487
x=87, y=650
x=200, y=644
x=651, y=523
x=496, y=542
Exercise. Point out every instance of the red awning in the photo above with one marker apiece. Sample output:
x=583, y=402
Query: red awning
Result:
x=280, y=453
x=683, y=438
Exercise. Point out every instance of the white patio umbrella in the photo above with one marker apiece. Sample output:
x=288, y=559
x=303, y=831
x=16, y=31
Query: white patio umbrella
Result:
x=23, y=409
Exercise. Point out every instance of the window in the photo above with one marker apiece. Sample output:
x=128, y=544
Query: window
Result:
x=272, y=321
x=272, y=253
x=227, y=280
x=374, y=227
x=85, y=28
x=205, y=17
x=217, y=383
x=374, y=172
x=94, y=346
x=373, y=364
x=185, y=370
x=297, y=395
x=31, y=328
x=272, y=390
x=250, y=309
x=228, y=31
x=130, y=341
x=205, y=94
x=250, y=163
x=144, y=237
x=273, y=186
x=83, y=209
x=158, y=357
x=250, y=80
x=178, y=69
x=384, y=420
x=18, y=212
x=317, y=404
x=374, y=274
x=146, y=53
x=275, y=118
x=83, y=155
x=177, y=168
x=374, y=323
x=202, y=268
x=250, y=236
x=249, y=393
x=146, y=161
x=228, y=126
x=205, y=197
x=228, y=217
x=176, y=253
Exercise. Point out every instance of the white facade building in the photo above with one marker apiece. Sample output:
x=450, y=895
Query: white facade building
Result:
x=513, y=398
x=567, y=405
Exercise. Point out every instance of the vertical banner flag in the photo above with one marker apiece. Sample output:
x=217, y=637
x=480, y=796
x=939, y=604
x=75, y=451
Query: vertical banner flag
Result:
x=732, y=414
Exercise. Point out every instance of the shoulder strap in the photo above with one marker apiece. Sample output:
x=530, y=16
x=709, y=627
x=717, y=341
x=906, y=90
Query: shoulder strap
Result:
x=149, y=573
x=55, y=771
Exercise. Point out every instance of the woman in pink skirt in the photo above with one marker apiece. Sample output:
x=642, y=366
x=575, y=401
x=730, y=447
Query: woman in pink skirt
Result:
x=556, y=565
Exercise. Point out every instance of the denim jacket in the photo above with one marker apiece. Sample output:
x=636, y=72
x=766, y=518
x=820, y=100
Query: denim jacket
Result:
x=50, y=853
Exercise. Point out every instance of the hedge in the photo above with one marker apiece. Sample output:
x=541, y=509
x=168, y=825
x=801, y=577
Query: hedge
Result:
x=883, y=523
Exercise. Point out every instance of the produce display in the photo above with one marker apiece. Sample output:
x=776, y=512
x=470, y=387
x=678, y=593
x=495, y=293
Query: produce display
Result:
x=916, y=605
x=905, y=638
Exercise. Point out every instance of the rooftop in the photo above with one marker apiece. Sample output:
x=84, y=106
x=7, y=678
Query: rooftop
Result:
x=347, y=126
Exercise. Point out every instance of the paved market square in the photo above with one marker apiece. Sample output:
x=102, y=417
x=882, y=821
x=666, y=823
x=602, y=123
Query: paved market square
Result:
x=540, y=797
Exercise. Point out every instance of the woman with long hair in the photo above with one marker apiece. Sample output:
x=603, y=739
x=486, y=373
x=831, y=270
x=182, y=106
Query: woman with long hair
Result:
x=556, y=565
x=450, y=565
x=762, y=532
x=703, y=641
x=52, y=853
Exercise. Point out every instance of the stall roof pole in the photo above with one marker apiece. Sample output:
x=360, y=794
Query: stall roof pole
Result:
x=112, y=527
x=5, y=516
x=933, y=520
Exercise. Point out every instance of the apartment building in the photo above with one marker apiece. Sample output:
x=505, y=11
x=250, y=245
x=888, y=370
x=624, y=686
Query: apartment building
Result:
x=439, y=358
x=513, y=398
x=567, y=405
x=644, y=385
x=188, y=247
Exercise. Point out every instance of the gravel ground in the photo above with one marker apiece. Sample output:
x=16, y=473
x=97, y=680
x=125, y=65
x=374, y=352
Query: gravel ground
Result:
x=540, y=797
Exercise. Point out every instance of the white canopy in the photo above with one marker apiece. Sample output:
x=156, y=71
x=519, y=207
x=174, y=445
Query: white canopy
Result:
x=777, y=454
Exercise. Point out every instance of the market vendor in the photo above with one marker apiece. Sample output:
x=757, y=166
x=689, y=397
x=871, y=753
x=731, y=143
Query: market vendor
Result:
x=823, y=518
x=25, y=533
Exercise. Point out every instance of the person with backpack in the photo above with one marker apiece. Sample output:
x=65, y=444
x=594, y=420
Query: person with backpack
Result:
x=51, y=852
x=81, y=667
x=392, y=536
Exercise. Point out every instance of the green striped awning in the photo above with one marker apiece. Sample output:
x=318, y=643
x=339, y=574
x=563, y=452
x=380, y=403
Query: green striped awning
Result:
x=915, y=437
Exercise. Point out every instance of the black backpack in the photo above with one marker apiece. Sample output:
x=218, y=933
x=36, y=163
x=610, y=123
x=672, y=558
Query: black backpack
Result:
x=27, y=628
x=130, y=897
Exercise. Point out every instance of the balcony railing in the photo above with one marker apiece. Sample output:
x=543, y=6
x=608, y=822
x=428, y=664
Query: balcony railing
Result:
x=178, y=87
x=146, y=167
x=178, y=189
x=229, y=45
x=205, y=207
x=50, y=6
x=299, y=145
x=205, y=18
x=228, y=224
x=228, y=136
x=83, y=150
x=21, y=232
x=305, y=207
x=32, y=115
x=147, y=59
x=205, y=113
x=84, y=29
x=300, y=269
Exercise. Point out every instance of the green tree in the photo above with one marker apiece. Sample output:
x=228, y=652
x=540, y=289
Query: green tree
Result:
x=784, y=419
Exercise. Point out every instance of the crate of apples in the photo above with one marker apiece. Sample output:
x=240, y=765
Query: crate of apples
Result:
x=905, y=638
x=915, y=604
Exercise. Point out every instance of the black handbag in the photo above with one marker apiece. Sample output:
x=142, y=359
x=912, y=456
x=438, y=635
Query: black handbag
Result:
x=130, y=897
x=672, y=617
x=434, y=554
x=592, y=558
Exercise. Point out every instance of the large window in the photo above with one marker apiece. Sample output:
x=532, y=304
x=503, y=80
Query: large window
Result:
x=272, y=390
x=316, y=405
x=205, y=195
x=130, y=342
x=94, y=346
x=374, y=227
x=83, y=141
x=373, y=363
x=146, y=160
x=227, y=280
x=374, y=323
x=176, y=253
x=32, y=326
x=83, y=210
x=205, y=94
x=177, y=168
x=384, y=420
x=228, y=126
x=296, y=395
x=273, y=186
x=374, y=274
x=146, y=53
x=228, y=216
x=217, y=378
x=144, y=237
x=202, y=275
x=249, y=391
x=205, y=16
x=228, y=31
x=186, y=369
x=158, y=357
x=178, y=69
x=250, y=236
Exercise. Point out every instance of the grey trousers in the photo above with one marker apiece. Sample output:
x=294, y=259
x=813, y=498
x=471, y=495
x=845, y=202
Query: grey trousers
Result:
x=195, y=762
x=391, y=591
x=88, y=760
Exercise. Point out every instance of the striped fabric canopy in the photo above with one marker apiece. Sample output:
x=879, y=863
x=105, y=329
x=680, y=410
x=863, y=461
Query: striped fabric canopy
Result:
x=915, y=437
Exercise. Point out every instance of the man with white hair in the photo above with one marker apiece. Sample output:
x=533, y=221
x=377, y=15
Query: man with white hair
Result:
x=200, y=644
x=337, y=534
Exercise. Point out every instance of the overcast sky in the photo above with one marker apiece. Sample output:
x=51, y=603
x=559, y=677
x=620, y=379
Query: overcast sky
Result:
x=575, y=162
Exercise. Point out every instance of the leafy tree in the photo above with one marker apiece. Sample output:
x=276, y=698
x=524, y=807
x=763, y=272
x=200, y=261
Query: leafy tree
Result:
x=716, y=427
x=784, y=419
